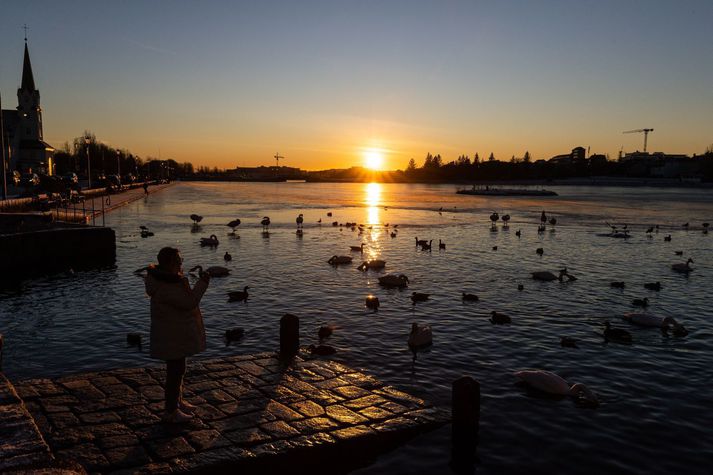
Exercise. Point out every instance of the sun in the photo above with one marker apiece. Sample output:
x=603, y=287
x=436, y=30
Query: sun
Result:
x=373, y=159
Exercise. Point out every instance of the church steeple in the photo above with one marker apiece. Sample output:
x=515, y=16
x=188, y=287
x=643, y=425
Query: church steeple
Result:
x=28, y=81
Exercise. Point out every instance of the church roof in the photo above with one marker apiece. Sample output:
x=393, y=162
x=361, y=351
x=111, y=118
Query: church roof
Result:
x=28, y=82
x=36, y=144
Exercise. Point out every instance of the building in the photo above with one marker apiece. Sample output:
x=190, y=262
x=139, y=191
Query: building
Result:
x=578, y=155
x=25, y=147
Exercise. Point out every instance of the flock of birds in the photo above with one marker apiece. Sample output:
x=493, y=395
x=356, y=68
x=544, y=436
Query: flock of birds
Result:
x=421, y=335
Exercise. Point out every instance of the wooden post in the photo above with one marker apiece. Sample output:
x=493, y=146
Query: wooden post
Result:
x=289, y=335
x=466, y=421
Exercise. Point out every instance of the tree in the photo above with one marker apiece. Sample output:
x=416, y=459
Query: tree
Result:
x=411, y=166
x=491, y=158
x=527, y=158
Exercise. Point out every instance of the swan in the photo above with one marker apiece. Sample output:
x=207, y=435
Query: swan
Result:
x=394, y=280
x=265, y=223
x=372, y=302
x=419, y=297
x=210, y=241
x=441, y=245
x=617, y=285
x=470, y=297
x=616, y=334
x=300, y=219
x=234, y=334
x=359, y=248
x=684, y=267
x=336, y=260
x=552, y=383
x=648, y=320
x=239, y=295
x=196, y=218
x=213, y=271
x=498, y=318
x=227, y=257
x=421, y=336
x=653, y=286
x=233, y=224
x=373, y=264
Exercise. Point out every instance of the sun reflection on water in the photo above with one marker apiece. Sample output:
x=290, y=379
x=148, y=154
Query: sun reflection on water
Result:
x=372, y=199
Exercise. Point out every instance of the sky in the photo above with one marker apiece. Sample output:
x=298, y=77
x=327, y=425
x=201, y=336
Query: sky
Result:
x=330, y=84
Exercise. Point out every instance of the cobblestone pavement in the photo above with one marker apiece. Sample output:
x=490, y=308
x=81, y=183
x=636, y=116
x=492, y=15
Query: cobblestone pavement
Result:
x=253, y=413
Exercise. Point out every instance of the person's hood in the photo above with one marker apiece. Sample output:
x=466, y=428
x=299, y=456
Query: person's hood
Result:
x=156, y=276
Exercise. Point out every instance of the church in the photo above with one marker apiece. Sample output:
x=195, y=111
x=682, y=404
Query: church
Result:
x=25, y=148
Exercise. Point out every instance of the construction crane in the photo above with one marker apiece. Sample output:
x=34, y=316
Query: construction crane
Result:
x=277, y=158
x=646, y=134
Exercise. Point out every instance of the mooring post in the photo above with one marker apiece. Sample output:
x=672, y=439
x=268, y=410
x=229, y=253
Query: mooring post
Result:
x=289, y=335
x=466, y=420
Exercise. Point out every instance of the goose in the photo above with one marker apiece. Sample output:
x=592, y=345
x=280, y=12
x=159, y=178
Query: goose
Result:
x=653, y=286
x=545, y=276
x=335, y=223
x=337, y=260
x=539, y=251
x=684, y=267
x=678, y=253
x=359, y=248
x=650, y=230
x=393, y=235
x=372, y=302
x=373, y=264
x=133, y=339
x=233, y=224
x=564, y=273
x=667, y=238
x=421, y=242
x=321, y=350
x=394, y=280
x=213, y=271
x=329, y=214
x=616, y=334
x=234, y=334
x=685, y=226
x=617, y=285
x=265, y=223
x=518, y=233
x=239, y=295
x=506, y=219
x=497, y=318
x=470, y=297
x=421, y=336
x=145, y=232
x=419, y=297
x=196, y=218
x=427, y=247
x=211, y=241
x=227, y=257
x=648, y=320
x=640, y=302
x=494, y=217
x=441, y=245
x=568, y=342
x=299, y=220
x=552, y=383
x=325, y=331
x=543, y=217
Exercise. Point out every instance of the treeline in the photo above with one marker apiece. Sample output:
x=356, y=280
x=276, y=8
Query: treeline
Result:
x=106, y=160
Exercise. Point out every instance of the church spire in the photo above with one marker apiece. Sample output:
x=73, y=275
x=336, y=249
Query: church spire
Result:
x=28, y=81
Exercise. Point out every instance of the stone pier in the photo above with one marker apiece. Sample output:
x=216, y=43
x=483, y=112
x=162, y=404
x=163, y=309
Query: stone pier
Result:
x=255, y=415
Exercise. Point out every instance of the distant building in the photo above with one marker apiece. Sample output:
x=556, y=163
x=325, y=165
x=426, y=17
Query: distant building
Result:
x=577, y=155
x=23, y=128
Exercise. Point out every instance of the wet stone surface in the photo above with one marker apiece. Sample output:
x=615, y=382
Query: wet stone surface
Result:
x=253, y=413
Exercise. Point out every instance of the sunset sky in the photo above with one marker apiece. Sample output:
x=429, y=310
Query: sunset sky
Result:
x=329, y=83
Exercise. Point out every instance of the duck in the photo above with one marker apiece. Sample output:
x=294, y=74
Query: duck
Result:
x=617, y=284
x=441, y=245
x=470, y=297
x=133, y=339
x=520, y=287
x=494, y=217
x=419, y=297
x=196, y=219
x=648, y=320
x=211, y=241
x=498, y=318
x=325, y=331
x=518, y=233
x=568, y=342
x=653, y=286
x=227, y=257
x=640, y=302
x=495, y=248
x=239, y=295
x=421, y=336
x=337, y=260
x=684, y=267
x=232, y=225
x=421, y=242
x=616, y=334
x=299, y=220
x=321, y=350
x=393, y=234
x=506, y=219
x=539, y=251
x=359, y=248
x=234, y=334
x=213, y=271
x=667, y=238
x=372, y=264
x=394, y=280
x=265, y=223
x=145, y=232
x=552, y=383
x=329, y=214
x=335, y=223
x=372, y=302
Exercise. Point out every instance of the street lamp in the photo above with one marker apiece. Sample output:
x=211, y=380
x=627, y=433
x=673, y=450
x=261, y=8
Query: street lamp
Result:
x=89, y=163
x=118, y=164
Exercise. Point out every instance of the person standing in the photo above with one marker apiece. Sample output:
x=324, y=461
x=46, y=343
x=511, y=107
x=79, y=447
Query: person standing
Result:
x=177, y=329
x=146, y=188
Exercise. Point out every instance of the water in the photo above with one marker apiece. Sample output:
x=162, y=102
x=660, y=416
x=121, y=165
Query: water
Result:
x=654, y=415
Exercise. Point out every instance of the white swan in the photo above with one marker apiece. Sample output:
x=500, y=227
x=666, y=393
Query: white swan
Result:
x=420, y=336
x=551, y=383
x=648, y=320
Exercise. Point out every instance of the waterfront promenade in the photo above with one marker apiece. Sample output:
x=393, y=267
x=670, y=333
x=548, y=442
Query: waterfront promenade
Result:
x=255, y=414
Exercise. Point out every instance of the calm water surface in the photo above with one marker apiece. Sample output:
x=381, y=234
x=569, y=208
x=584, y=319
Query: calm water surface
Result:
x=655, y=412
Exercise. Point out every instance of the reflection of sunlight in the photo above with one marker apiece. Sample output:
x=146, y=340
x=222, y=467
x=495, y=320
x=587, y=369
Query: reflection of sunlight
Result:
x=373, y=200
